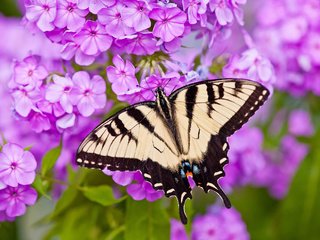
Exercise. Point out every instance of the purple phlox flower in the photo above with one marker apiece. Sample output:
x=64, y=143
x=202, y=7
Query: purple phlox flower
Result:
x=42, y=12
x=177, y=230
x=293, y=29
x=88, y=94
x=29, y=73
x=170, y=47
x=66, y=121
x=283, y=166
x=122, y=75
x=47, y=107
x=195, y=9
x=24, y=100
x=231, y=69
x=121, y=178
x=257, y=66
x=169, y=23
x=39, y=121
x=95, y=5
x=135, y=15
x=311, y=49
x=169, y=82
x=93, y=38
x=13, y=200
x=141, y=44
x=59, y=91
x=237, y=11
x=300, y=123
x=136, y=95
x=17, y=166
x=142, y=189
x=111, y=18
x=246, y=159
x=2, y=185
x=219, y=223
x=69, y=15
x=72, y=49
x=222, y=10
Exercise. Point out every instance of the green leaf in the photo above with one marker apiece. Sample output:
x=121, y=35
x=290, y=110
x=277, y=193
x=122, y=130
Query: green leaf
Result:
x=299, y=215
x=41, y=186
x=101, y=194
x=67, y=198
x=50, y=159
x=146, y=220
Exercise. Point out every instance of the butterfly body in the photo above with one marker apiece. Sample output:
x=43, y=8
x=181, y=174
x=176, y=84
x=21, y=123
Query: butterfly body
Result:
x=176, y=137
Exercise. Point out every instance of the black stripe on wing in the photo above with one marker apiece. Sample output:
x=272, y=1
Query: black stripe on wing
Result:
x=252, y=104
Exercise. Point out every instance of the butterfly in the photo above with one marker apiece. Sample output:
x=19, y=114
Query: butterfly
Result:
x=176, y=137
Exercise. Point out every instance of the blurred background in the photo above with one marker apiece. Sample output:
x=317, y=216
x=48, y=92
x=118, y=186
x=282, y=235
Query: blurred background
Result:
x=274, y=172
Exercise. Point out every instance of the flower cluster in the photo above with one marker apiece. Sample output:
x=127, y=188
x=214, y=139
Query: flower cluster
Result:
x=88, y=28
x=52, y=102
x=247, y=160
x=291, y=28
x=218, y=223
x=17, y=172
x=283, y=163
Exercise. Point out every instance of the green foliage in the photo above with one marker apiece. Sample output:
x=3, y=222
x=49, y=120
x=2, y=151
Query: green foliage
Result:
x=146, y=221
x=9, y=8
x=50, y=159
x=101, y=194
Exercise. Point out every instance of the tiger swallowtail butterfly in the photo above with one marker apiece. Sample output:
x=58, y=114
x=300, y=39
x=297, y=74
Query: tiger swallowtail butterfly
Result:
x=176, y=137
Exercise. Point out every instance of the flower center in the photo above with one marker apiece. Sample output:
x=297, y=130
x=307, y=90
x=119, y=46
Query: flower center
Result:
x=14, y=165
x=93, y=33
x=70, y=7
x=67, y=89
x=165, y=21
x=87, y=92
x=118, y=15
x=46, y=7
x=30, y=72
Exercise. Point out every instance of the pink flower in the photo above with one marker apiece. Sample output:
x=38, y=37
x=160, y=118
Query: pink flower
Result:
x=122, y=76
x=95, y=5
x=66, y=121
x=39, y=122
x=24, y=101
x=60, y=91
x=169, y=23
x=223, y=12
x=13, y=200
x=29, y=73
x=143, y=190
x=111, y=18
x=195, y=9
x=136, y=15
x=72, y=49
x=88, y=94
x=17, y=166
x=42, y=12
x=142, y=44
x=93, y=38
x=121, y=178
x=69, y=15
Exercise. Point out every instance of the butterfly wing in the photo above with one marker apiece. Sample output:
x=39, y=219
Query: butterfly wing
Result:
x=206, y=113
x=137, y=139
